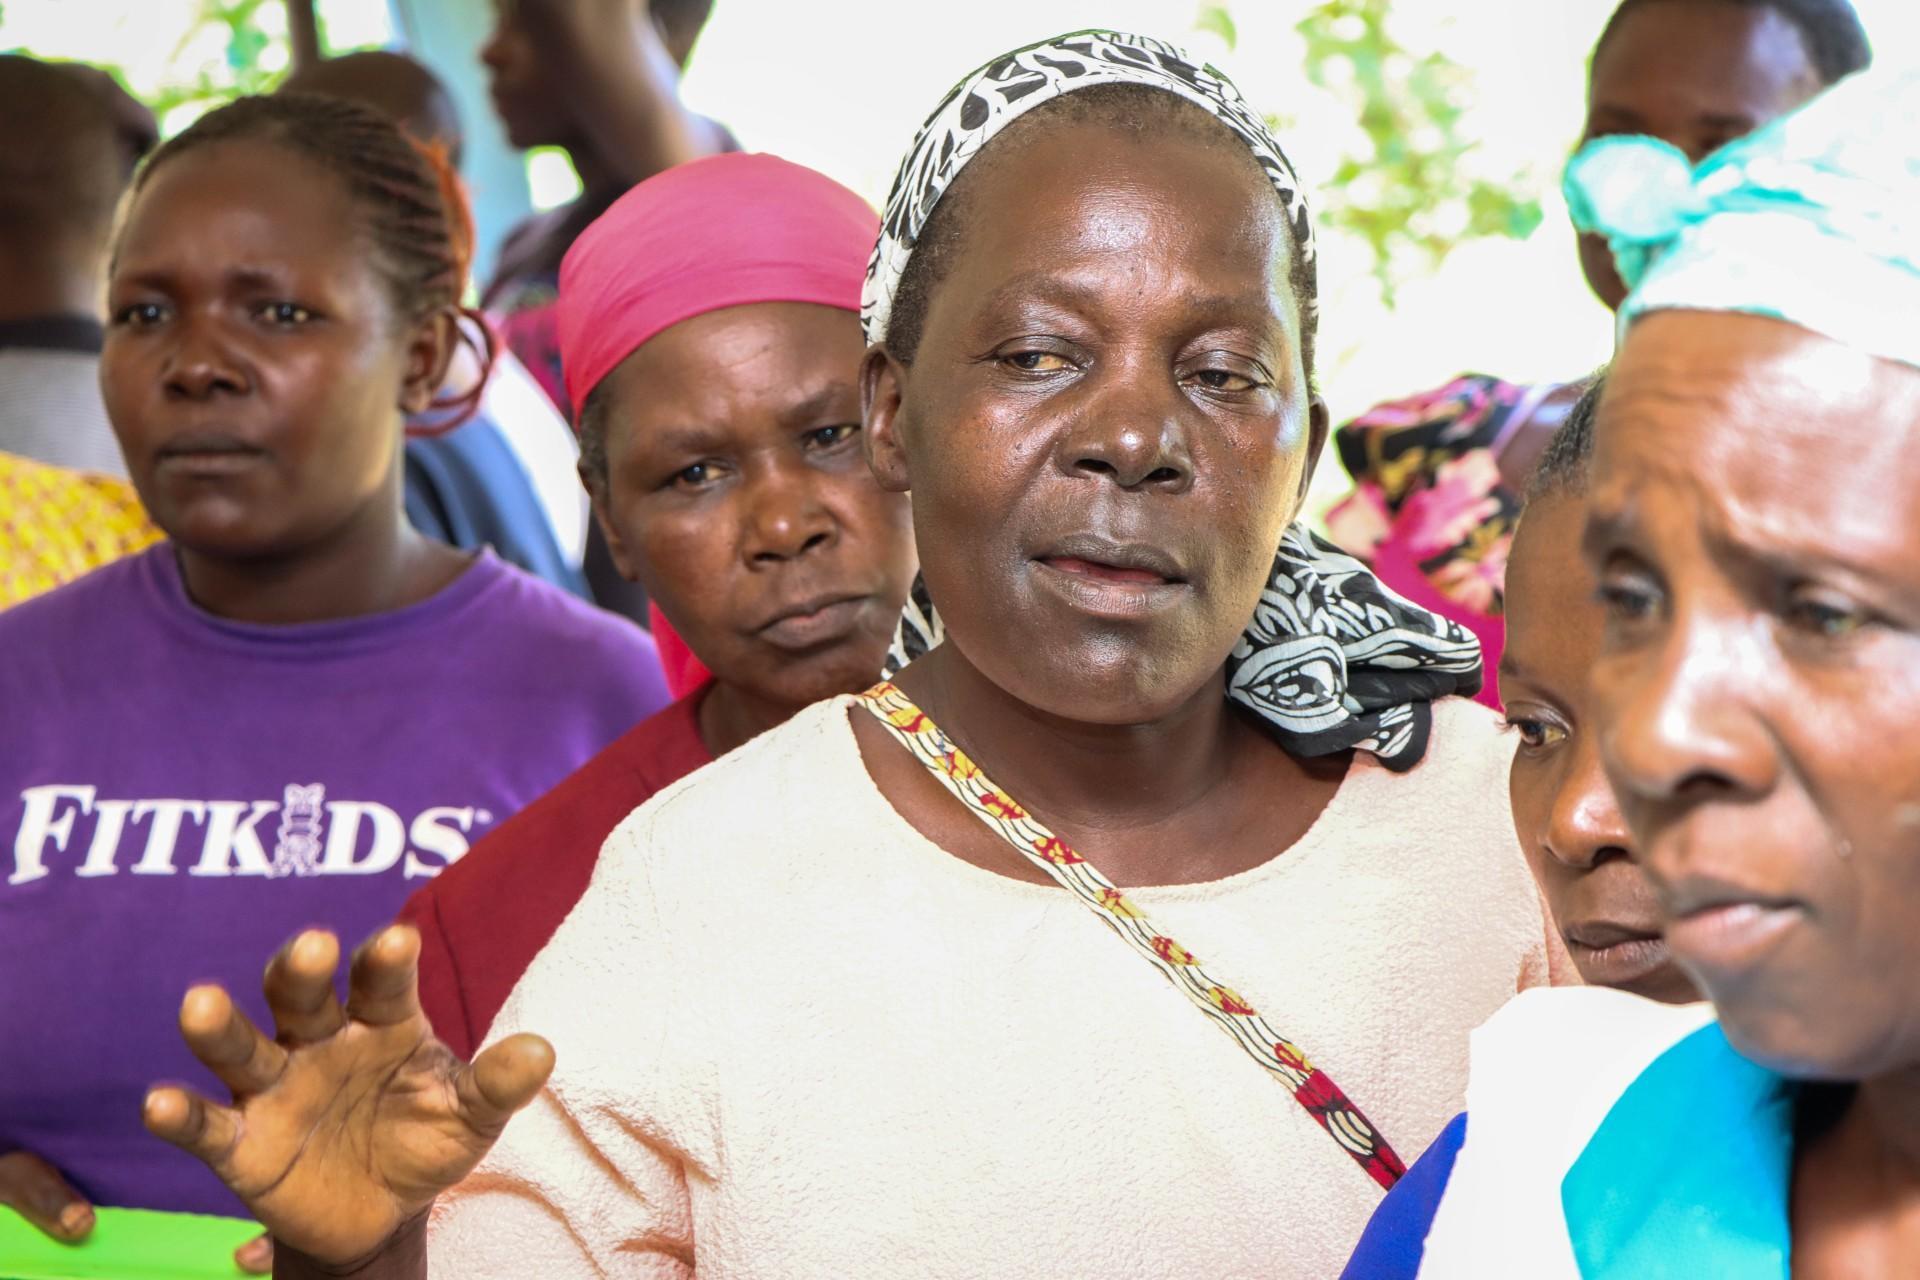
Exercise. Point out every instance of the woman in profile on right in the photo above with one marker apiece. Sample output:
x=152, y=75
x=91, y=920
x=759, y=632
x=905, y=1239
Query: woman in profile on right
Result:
x=1755, y=530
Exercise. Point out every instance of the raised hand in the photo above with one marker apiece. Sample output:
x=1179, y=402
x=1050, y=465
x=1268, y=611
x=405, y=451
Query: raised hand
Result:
x=344, y=1127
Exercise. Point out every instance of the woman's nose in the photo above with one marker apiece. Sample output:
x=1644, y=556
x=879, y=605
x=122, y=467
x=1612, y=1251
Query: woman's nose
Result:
x=1678, y=725
x=1585, y=828
x=785, y=516
x=1133, y=435
x=199, y=366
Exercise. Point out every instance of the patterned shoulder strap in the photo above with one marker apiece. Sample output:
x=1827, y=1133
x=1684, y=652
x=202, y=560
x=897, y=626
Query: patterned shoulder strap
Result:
x=1282, y=1059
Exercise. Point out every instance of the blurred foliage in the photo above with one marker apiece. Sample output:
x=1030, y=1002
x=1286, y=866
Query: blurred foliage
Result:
x=235, y=28
x=238, y=21
x=1412, y=196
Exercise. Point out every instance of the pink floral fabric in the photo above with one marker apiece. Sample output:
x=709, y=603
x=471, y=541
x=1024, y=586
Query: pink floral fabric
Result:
x=1430, y=512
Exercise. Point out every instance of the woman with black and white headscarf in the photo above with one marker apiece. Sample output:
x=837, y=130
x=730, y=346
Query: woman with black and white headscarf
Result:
x=842, y=1003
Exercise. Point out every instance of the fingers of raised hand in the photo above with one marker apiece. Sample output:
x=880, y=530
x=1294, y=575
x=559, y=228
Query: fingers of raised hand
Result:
x=384, y=989
x=35, y=1190
x=299, y=988
x=503, y=1079
x=226, y=1040
x=203, y=1129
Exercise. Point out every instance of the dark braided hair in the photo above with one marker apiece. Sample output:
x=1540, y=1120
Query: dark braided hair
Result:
x=1140, y=110
x=1836, y=42
x=1568, y=459
x=413, y=211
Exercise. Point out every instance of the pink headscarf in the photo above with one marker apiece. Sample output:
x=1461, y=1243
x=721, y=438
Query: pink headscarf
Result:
x=721, y=232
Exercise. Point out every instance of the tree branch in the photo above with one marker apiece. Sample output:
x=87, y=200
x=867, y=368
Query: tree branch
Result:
x=303, y=31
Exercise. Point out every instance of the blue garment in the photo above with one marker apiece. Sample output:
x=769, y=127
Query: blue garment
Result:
x=1686, y=1177
x=467, y=489
x=1390, y=1247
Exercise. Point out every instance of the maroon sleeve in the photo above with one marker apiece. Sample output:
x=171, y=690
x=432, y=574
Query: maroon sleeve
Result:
x=484, y=919
x=440, y=992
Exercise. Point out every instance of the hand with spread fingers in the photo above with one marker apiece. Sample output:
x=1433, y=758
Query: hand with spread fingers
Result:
x=347, y=1124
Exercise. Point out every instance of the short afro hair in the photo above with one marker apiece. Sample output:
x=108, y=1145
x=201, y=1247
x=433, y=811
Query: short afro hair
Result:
x=1836, y=42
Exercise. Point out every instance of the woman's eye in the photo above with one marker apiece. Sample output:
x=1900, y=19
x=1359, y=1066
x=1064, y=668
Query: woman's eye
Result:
x=1627, y=597
x=1036, y=361
x=827, y=437
x=697, y=476
x=1827, y=617
x=139, y=315
x=1535, y=733
x=1224, y=380
x=286, y=313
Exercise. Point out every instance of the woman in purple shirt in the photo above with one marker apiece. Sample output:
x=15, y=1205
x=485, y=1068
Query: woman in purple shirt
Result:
x=295, y=709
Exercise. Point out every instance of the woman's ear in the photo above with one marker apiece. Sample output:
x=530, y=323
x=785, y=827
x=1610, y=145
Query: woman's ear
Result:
x=429, y=355
x=1319, y=427
x=600, y=496
x=881, y=391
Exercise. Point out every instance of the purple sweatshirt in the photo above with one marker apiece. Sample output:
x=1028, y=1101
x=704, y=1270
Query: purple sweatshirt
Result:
x=180, y=794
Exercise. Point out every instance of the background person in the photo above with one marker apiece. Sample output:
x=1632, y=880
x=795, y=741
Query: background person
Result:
x=57, y=525
x=503, y=476
x=1564, y=809
x=600, y=78
x=1752, y=528
x=295, y=707
x=721, y=442
x=68, y=152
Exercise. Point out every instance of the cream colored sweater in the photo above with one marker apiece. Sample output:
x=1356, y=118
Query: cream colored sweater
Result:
x=797, y=1039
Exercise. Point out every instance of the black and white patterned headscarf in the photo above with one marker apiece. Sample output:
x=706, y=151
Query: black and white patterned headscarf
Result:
x=1332, y=659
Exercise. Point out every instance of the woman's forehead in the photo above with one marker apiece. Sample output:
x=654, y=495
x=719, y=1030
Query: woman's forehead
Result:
x=262, y=196
x=1086, y=208
x=1737, y=380
x=765, y=357
x=1132, y=81
x=1762, y=430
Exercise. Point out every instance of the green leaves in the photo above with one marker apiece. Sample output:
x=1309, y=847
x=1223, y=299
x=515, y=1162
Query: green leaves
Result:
x=1215, y=19
x=1414, y=194
x=245, y=63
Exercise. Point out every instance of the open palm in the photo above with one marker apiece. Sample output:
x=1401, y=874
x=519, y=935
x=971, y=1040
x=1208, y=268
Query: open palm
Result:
x=346, y=1125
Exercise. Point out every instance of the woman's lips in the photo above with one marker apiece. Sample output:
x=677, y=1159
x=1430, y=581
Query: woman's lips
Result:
x=1103, y=572
x=1730, y=936
x=1611, y=955
x=1107, y=590
x=209, y=462
x=814, y=624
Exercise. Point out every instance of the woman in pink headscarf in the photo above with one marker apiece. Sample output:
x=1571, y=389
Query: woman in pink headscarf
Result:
x=709, y=323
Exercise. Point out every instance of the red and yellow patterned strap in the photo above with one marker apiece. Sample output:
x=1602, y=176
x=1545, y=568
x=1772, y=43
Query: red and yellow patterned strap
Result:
x=1282, y=1059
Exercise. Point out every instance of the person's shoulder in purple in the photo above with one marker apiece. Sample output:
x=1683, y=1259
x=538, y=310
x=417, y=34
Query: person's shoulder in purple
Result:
x=169, y=777
x=298, y=708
